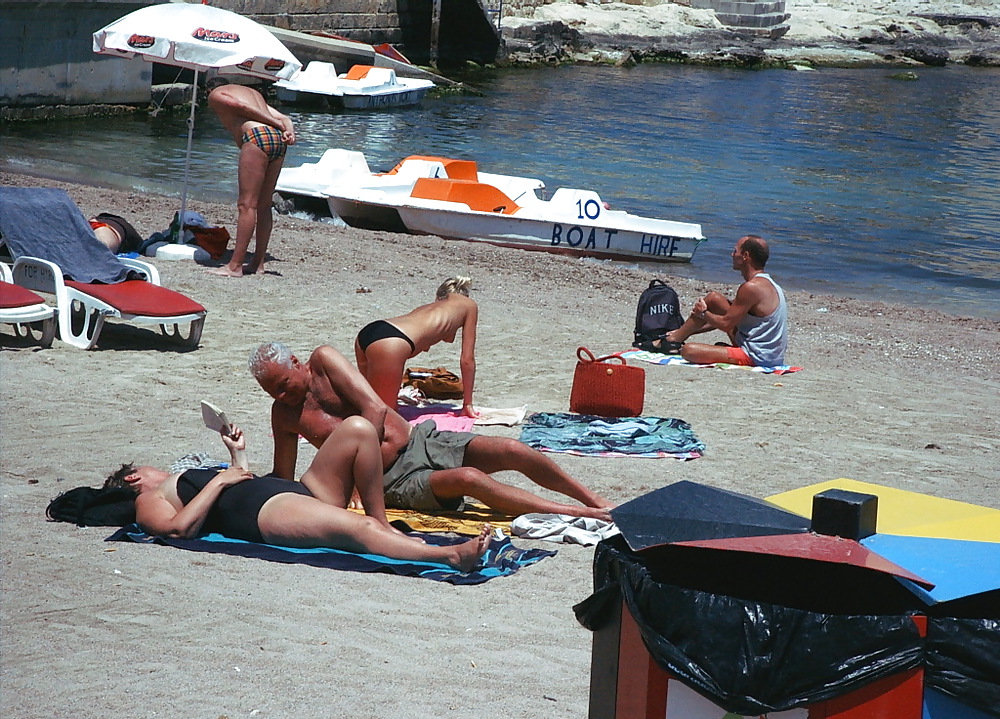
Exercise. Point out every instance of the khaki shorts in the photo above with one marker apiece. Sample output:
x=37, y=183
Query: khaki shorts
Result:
x=408, y=482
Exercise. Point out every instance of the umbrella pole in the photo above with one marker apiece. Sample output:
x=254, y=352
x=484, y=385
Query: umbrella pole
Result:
x=187, y=162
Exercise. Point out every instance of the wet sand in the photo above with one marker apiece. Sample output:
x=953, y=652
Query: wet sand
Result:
x=898, y=396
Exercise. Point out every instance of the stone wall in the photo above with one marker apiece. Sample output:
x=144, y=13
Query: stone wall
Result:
x=47, y=58
x=766, y=18
x=369, y=21
x=465, y=31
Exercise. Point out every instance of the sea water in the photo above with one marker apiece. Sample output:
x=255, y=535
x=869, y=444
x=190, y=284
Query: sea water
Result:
x=866, y=185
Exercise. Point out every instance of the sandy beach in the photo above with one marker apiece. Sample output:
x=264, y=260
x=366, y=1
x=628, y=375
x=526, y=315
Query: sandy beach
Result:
x=898, y=396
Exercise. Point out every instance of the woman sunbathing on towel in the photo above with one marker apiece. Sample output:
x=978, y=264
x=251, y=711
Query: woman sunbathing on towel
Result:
x=310, y=513
x=383, y=346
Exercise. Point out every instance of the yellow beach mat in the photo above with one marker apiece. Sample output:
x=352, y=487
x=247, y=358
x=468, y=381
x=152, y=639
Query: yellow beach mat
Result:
x=469, y=521
x=905, y=513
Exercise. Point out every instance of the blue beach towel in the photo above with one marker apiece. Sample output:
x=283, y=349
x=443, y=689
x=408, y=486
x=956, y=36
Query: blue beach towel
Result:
x=584, y=434
x=501, y=559
x=44, y=222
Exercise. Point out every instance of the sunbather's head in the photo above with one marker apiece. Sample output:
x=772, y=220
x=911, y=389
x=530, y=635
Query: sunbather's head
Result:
x=116, y=480
x=136, y=478
x=269, y=353
x=279, y=373
x=454, y=285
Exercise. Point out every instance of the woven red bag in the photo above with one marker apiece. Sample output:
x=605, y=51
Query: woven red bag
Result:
x=607, y=386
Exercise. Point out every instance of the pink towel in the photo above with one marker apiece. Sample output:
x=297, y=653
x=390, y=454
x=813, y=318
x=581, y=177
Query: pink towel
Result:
x=445, y=417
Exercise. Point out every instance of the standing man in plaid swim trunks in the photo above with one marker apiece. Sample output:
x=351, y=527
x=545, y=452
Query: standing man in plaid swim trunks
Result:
x=262, y=134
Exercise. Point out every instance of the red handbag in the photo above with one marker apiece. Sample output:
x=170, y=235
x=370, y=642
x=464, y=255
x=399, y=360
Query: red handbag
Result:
x=607, y=386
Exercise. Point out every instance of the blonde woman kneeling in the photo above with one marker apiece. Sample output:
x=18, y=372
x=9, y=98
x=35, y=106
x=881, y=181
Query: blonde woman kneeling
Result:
x=383, y=347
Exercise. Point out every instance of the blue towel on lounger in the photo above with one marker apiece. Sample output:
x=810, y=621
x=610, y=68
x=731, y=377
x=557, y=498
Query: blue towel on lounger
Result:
x=44, y=222
x=502, y=557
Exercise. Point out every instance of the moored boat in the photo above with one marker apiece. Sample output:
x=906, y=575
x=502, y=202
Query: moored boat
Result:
x=452, y=199
x=363, y=198
x=364, y=87
x=572, y=222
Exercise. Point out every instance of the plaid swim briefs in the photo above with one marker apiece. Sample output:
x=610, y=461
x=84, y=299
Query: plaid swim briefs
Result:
x=268, y=139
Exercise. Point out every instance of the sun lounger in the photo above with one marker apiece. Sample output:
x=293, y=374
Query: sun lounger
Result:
x=55, y=250
x=83, y=307
x=25, y=310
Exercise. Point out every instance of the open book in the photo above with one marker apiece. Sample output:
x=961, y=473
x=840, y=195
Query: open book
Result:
x=214, y=418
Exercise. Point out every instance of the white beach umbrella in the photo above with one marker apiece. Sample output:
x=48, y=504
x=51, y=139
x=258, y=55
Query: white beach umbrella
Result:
x=197, y=37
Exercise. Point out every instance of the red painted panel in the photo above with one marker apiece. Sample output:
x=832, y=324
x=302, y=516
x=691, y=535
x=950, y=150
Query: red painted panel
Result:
x=897, y=697
x=642, y=685
x=820, y=548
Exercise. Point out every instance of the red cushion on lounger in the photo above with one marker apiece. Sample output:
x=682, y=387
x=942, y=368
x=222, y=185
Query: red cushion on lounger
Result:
x=12, y=296
x=136, y=297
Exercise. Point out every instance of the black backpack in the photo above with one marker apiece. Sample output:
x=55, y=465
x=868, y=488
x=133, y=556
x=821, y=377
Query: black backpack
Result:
x=659, y=312
x=91, y=507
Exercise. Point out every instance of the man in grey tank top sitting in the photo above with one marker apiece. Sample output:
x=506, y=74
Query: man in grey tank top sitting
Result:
x=756, y=320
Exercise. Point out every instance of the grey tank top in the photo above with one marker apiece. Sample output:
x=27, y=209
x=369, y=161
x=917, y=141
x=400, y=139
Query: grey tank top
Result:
x=765, y=338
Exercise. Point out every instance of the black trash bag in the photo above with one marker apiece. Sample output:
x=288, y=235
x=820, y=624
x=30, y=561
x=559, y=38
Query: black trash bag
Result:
x=749, y=657
x=963, y=661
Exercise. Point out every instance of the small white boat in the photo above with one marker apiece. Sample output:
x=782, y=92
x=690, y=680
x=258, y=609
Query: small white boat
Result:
x=363, y=198
x=364, y=87
x=452, y=199
x=574, y=222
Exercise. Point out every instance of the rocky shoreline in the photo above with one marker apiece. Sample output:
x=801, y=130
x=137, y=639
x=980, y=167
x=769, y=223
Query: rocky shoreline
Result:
x=840, y=33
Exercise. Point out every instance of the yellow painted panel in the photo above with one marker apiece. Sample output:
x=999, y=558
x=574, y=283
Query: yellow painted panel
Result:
x=910, y=514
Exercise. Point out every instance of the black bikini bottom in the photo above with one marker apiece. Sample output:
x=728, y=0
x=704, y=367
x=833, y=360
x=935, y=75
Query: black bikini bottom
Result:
x=380, y=330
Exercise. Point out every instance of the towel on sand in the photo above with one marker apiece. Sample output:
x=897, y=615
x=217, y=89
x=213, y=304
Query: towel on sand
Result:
x=44, y=222
x=658, y=358
x=446, y=416
x=563, y=528
x=584, y=434
x=469, y=521
x=501, y=559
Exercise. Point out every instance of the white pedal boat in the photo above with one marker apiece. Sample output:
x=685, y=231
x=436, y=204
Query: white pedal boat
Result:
x=452, y=199
x=364, y=87
x=573, y=221
x=363, y=198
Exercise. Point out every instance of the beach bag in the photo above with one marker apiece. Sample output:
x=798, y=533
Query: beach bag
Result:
x=436, y=383
x=93, y=507
x=658, y=312
x=607, y=386
x=214, y=240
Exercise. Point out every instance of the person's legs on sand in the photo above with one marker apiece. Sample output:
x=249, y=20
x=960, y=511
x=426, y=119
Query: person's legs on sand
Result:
x=252, y=171
x=450, y=484
x=265, y=217
x=496, y=454
x=384, y=364
x=349, y=459
x=295, y=520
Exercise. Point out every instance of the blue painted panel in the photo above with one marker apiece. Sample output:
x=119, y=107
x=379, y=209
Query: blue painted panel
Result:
x=957, y=568
x=942, y=706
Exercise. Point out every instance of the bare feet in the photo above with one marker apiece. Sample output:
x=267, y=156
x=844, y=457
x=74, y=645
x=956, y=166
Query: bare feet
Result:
x=253, y=268
x=467, y=555
x=225, y=271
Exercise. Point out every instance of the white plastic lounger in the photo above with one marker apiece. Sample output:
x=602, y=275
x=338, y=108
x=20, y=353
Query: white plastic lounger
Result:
x=83, y=307
x=25, y=310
